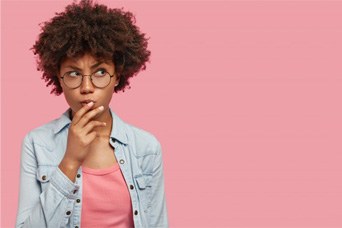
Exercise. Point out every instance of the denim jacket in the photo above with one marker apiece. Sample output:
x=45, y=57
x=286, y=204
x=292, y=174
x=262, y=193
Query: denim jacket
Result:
x=48, y=198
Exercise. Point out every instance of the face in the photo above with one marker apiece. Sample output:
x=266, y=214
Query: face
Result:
x=79, y=96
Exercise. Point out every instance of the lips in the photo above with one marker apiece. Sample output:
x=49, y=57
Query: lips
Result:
x=84, y=102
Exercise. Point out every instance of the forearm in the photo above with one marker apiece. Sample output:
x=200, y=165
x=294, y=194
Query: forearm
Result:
x=49, y=208
x=45, y=193
x=158, y=213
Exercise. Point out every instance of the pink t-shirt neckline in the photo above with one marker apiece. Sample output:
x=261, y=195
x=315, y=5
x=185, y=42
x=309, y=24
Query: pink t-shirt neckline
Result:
x=103, y=171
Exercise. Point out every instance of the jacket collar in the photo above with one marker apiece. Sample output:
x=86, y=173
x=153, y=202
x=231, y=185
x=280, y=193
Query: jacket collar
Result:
x=118, y=126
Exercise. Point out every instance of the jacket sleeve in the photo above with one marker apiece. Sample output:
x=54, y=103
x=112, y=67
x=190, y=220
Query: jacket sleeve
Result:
x=158, y=214
x=51, y=207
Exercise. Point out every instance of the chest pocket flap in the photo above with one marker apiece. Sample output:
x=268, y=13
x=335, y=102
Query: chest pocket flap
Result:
x=143, y=181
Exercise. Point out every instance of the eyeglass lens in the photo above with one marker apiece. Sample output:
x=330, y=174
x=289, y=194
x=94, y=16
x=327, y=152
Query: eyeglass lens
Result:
x=74, y=79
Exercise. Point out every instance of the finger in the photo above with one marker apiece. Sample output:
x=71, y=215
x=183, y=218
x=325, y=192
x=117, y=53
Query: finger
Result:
x=91, y=136
x=81, y=112
x=91, y=125
x=89, y=116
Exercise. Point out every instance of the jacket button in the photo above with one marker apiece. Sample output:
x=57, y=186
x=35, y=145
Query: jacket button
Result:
x=68, y=212
x=44, y=178
x=131, y=187
x=76, y=226
x=78, y=201
x=122, y=161
x=135, y=212
x=78, y=175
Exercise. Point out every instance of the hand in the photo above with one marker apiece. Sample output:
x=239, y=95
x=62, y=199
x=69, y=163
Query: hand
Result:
x=81, y=132
x=80, y=136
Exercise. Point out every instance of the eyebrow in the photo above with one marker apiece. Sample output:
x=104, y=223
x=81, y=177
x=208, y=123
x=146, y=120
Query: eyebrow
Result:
x=92, y=67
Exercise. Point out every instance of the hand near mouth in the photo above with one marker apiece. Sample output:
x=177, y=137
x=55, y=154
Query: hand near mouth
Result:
x=80, y=136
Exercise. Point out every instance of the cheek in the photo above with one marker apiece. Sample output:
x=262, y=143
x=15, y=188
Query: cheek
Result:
x=108, y=96
x=69, y=98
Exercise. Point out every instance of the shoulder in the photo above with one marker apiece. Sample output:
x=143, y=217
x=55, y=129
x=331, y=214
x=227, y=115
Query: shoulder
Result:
x=140, y=141
x=143, y=141
x=46, y=134
x=42, y=135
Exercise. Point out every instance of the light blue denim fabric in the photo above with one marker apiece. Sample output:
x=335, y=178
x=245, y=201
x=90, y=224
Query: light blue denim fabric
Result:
x=47, y=197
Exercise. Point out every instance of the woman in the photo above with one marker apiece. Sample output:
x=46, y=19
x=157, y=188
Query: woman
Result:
x=89, y=168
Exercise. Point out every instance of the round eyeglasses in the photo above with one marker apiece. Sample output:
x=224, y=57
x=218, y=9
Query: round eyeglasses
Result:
x=100, y=78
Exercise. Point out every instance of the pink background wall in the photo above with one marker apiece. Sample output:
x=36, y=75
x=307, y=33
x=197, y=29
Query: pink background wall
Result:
x=245, y=98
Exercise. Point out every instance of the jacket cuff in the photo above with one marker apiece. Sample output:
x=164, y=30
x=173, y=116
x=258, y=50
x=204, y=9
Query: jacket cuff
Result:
x=64, y=185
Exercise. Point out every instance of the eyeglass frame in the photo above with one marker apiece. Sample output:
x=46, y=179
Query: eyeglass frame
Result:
x=91, y=79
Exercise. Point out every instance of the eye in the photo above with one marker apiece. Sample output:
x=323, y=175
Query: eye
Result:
x=73, y=74
x=100, y=73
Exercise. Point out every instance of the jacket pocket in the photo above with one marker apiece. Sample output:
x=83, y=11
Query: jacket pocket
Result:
x=143, y=183
x=44, y=174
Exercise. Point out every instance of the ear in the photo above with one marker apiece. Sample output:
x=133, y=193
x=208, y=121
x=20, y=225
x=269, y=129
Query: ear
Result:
x=117, y=80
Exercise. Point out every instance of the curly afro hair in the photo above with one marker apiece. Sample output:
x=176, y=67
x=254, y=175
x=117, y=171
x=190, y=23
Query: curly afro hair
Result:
x=89, y=27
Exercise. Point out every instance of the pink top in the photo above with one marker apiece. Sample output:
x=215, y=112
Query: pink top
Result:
x=105, y=198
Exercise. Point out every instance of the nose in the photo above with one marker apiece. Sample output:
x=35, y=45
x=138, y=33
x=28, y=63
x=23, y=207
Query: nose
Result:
x=86, y=85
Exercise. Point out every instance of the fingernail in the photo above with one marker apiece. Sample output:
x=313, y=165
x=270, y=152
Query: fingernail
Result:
x=101, y=108
x=90, y=104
